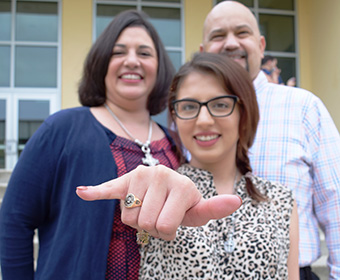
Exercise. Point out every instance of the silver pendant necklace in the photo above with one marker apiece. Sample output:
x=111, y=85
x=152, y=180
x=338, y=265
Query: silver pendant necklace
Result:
x=145, y=147
x=230, y=244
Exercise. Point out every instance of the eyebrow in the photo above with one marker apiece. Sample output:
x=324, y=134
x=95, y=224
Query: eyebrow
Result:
x=139, y=47
x=238, y=27
x=247, y=26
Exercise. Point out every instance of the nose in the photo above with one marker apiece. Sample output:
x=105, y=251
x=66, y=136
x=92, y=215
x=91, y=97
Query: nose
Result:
x=204, y=117
x=231, y=42
x=132, y=60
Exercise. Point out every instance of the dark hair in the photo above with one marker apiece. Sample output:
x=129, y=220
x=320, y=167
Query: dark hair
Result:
x=267, y=58
x=92, y=91
x=236, y=81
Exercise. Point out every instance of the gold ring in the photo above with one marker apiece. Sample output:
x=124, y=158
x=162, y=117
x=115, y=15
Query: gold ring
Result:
x=132, y=201
x=143, y=237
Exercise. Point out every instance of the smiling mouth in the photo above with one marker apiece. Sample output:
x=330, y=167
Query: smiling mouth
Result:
x=237, y=57
x=236, y=54
x=205, y=138
x=131, y=77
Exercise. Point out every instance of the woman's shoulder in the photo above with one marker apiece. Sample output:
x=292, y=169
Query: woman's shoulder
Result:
x=273, y=190
x=70, y=114
x=67, y=122
x=77, y=118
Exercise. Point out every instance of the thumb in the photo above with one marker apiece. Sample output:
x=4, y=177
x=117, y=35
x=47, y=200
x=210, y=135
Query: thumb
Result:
x=216, y=207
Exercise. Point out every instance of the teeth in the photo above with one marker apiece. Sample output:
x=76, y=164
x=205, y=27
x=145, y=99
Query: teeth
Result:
x=206, y=137
x=131, y=77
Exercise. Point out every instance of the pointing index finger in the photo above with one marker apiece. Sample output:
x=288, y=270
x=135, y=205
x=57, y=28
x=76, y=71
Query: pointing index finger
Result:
x=114, y=189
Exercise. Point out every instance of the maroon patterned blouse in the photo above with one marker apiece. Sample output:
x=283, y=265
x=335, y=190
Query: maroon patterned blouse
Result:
x=123, y=258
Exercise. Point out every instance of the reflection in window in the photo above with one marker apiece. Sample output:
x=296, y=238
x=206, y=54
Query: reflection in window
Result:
x=5, y=62
x=279, y=32
x=2, y=132
x=37, y=21
x=5, y=20
x=32, y=113
x=287, y=66
x=36, y=67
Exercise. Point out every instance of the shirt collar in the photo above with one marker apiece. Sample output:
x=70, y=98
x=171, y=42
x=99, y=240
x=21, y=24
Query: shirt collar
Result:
x=260, y=81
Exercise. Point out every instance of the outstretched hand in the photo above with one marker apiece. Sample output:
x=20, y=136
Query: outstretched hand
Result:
x=169, y=199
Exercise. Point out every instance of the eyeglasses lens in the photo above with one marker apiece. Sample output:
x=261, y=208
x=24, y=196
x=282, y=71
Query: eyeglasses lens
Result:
x=217, y=107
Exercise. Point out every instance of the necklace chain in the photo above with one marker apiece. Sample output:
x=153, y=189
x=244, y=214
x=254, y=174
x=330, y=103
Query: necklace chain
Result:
x=229, y=244
x=145, y=147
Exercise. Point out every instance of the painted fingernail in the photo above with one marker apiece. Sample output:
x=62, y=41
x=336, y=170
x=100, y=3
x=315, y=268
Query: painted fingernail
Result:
x=82, y=188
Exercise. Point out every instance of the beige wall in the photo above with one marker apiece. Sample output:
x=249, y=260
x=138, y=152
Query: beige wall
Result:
x=195, y=12
x=76, y=42
x=319, y=41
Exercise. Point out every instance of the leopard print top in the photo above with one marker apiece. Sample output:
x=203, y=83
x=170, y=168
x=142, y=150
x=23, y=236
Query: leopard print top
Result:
x=261, y=233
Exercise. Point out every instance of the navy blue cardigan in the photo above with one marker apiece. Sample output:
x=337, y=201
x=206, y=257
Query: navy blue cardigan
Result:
x=70, y=148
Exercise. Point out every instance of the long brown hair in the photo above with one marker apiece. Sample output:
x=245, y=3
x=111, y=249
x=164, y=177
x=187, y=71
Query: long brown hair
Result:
x=235, y=80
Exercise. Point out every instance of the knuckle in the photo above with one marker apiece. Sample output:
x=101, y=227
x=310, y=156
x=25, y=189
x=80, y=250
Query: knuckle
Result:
x=148, y=225
x=129, y=220
x=166, y=229
x=140, y=172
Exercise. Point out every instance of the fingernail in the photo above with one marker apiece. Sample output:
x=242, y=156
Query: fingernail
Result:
x=82, y=188
x=239, y=199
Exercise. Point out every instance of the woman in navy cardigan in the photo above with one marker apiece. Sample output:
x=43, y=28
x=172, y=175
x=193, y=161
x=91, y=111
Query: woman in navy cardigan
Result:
x=76, y=147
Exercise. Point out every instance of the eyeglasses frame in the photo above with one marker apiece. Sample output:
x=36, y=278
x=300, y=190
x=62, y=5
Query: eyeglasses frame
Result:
x=235, y=98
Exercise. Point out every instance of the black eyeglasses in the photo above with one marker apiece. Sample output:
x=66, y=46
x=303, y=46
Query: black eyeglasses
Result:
x=221, y=106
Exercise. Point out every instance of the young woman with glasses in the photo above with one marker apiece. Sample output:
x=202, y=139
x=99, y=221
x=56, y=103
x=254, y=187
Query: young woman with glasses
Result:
x=213, y=107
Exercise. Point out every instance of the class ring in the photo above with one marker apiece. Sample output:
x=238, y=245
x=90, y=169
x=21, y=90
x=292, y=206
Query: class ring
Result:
x=131, y=201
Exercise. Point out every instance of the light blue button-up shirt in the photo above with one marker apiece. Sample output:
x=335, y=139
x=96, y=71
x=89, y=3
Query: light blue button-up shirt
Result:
x=298, y=145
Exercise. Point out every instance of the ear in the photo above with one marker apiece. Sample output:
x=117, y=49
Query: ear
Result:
x=262, y=45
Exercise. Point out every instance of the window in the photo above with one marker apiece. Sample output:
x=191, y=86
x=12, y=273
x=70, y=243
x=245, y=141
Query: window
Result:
x=29, y=70
x=28, y=51
x=31, y=115
x=277, y=22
